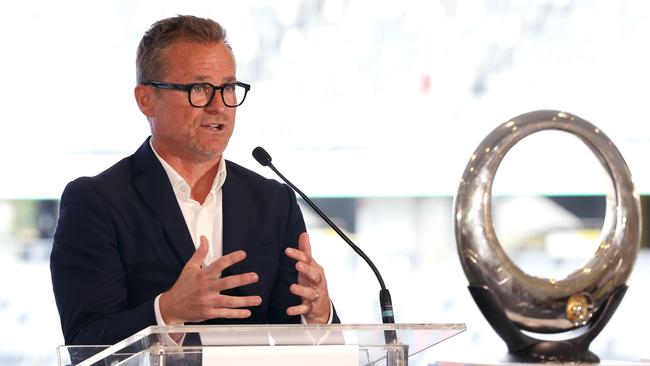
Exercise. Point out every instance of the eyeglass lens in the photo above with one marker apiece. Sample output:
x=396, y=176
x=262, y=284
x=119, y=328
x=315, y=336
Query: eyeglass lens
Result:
x=232, y=94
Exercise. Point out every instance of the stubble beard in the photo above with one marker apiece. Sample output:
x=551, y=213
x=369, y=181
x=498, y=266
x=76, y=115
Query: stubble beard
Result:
x=192, y=152
x=196, y=153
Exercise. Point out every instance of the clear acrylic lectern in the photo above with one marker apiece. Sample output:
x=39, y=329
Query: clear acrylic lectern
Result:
x=340, y=344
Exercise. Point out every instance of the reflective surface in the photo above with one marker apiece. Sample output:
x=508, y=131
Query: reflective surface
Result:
x=546, y=305
x=153, y=346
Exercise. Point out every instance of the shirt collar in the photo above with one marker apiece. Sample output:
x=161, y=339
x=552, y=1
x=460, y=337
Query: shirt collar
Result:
x=181, y=188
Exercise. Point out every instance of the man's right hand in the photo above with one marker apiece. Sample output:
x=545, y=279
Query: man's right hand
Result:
x=196, y=295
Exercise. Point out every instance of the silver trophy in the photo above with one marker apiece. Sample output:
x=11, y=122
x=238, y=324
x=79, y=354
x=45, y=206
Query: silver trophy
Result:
x=574, y=309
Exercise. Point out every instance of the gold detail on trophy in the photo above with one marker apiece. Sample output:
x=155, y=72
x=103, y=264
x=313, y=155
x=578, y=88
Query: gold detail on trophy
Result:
x=578, y=309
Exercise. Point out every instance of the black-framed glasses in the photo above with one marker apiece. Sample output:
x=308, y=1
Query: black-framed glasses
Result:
x=201, y=94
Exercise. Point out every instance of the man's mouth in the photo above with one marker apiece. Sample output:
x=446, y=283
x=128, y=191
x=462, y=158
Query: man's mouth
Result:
x=214, y=126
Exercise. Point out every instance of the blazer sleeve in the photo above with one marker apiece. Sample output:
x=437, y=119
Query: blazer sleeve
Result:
x=88, y=276
x=281, y=297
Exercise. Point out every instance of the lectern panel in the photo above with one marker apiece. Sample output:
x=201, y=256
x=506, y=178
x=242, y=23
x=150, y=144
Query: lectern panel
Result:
x=376, y=344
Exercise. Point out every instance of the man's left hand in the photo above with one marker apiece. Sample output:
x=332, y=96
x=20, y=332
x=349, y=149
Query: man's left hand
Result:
x=311, y=286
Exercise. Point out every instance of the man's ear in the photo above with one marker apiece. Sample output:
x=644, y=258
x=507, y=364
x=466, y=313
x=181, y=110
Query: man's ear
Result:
x=146, y=99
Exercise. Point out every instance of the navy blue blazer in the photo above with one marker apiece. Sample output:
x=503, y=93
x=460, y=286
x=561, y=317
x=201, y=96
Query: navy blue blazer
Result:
x=121, y=240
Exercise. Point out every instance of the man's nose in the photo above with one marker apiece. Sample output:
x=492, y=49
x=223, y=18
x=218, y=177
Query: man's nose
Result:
x=216, y=105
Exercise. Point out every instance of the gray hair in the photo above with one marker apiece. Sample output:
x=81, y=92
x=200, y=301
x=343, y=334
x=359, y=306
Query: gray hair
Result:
x=150, y=60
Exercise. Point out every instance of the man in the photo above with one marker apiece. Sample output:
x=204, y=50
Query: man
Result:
x=175, y=234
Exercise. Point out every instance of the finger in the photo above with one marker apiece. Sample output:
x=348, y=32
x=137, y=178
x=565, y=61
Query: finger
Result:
x=224, y=262
x=297, y=255
x=229, y=313
x=199, y=255
x=312, y=272
x=299, y=309
x=307, y=293
x=231, y=302
x=303, y=244
x=230, y=282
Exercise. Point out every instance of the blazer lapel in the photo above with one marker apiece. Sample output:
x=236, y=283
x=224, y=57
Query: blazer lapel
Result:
x=237, y=207
x=152, y=182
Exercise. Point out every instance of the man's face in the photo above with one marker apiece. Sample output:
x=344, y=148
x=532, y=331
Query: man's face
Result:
x=180, y=131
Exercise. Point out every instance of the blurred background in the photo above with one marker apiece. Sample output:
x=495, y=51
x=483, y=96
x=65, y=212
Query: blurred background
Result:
x=371, y=107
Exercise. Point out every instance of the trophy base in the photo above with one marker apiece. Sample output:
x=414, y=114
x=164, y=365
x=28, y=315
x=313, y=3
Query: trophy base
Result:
x=523, y=348
x=553, y=351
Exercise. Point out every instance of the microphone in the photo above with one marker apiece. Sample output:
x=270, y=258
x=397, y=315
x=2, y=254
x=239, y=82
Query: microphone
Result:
x=385, y=301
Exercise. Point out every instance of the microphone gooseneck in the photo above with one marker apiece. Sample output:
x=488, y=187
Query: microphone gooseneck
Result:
x=385, y=301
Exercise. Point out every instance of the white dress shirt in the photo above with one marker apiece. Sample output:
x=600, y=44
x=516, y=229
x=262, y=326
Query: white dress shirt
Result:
x=201, y=219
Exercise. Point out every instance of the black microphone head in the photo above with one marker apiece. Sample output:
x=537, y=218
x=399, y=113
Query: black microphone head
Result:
x=261, y=156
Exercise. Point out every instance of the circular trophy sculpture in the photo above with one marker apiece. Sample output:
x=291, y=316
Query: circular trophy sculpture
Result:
x=574, y=309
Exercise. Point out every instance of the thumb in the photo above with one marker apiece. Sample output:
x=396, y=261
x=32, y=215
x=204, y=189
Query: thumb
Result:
x=199, y=255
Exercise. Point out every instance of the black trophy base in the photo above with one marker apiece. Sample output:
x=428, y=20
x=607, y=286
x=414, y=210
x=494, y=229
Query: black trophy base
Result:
x=525, y=349
x=553, y=351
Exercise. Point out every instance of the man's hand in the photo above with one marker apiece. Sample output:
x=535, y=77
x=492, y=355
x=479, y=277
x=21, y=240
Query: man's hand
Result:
x=311, y=286
x=196, y=295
